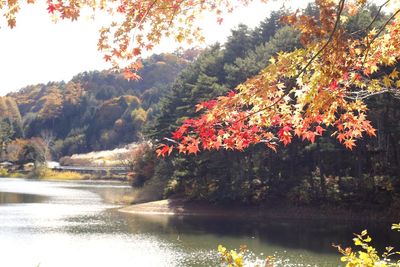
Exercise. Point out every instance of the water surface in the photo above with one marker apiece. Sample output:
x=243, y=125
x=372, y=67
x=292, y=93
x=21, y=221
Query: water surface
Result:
x=69, y=224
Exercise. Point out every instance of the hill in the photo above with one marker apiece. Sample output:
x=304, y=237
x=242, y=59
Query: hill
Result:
x=94, y=110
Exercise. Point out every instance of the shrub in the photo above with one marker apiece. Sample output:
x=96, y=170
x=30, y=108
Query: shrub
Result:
x=232, y=258
x=142, y=162
x=3, y=173
x=16, y=175
x=368, y=256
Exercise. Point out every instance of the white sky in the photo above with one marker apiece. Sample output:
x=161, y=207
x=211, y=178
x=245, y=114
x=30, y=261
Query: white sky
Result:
x=39, y=51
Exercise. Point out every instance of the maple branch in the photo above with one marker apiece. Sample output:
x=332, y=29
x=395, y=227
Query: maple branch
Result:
x=374, y=19
x=174, y=15
x=11, y=9
x=377, y=15
x=170, y=140
x=337, y=22
x=377, y=34
x=144, y=16
x=364, y=95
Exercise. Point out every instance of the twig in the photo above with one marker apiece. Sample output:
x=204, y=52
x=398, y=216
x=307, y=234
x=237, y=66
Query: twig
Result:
x=374, y=19
x=376, y=35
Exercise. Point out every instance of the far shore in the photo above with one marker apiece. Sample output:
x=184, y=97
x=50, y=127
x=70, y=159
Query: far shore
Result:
x=269, y=210
x=180, y=207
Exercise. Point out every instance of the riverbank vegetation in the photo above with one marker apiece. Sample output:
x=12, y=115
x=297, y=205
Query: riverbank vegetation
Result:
x=44, y=173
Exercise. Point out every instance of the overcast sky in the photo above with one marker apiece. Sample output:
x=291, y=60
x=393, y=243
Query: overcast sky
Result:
x=38, y=51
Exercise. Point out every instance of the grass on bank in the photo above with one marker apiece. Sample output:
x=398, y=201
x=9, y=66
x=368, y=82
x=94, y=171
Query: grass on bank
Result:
x=5, y=173
x=44, y=173
x=48, y=174
x=16, y=175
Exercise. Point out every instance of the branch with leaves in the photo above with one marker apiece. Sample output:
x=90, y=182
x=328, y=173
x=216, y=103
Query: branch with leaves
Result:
x=278, y=104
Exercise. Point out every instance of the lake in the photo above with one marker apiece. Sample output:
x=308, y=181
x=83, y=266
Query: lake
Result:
x=70, y=224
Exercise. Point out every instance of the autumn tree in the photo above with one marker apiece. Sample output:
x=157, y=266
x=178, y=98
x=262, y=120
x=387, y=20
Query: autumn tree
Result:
x=47, y=138
x=34, y=151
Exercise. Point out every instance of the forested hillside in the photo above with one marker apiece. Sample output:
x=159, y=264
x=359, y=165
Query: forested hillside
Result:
x=93, y=111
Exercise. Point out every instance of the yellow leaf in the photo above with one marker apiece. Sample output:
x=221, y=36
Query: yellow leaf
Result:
x=180, y=38
x=357, y=242
x=374, y=68
x=363, y=233
x=387, y=81
x=272, y=60
x=394, y=74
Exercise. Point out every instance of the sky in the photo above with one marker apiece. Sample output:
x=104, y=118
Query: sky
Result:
x=39, y=51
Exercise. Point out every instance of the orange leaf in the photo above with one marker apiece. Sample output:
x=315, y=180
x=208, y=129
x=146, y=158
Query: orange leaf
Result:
x=193, y=148
x=349, y=143
x=136, y=51
x=128, y=74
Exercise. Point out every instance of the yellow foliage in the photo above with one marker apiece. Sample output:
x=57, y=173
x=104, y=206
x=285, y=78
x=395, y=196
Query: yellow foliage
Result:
x=16, y=175
x=368, y=255
x=3, y=172
x=232, y=258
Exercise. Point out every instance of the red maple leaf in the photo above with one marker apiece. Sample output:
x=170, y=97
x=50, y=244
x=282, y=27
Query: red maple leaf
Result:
x=164, y=150
x=136, y=51
x=319, y=130
x=284, y=134
x=52, y=7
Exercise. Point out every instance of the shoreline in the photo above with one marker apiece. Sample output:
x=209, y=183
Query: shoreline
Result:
x=270, y=210
x=180, y=207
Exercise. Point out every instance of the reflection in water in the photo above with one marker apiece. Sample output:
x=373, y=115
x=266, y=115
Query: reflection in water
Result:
x=68, y=224
x=8, y=198
x=300, y=241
